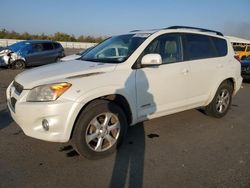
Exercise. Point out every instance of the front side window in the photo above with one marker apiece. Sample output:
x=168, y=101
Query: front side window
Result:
x=168, y=46
x=115, y=49
x=198, y=47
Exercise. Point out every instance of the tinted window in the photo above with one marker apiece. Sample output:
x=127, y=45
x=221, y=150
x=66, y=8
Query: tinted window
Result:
x=47, y=46
x=168, y=46
x=220, y=45
x=198, y=47
x=38, y=47
x=57, y=45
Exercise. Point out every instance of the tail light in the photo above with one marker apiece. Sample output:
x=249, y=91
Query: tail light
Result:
x=237, y=57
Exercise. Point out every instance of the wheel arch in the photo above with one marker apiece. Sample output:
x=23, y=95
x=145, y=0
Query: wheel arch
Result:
x=118, y=99
x=230, y=80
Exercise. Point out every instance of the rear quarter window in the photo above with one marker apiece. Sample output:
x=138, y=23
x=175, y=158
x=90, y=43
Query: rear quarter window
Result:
x=220, y=45
x=198, y=47
x=57, y=45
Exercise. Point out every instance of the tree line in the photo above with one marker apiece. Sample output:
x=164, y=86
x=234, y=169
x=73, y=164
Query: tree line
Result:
x=58, y=36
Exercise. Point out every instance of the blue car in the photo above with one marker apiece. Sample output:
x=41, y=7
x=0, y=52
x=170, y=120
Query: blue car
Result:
x=31, y=53
x=245, y=68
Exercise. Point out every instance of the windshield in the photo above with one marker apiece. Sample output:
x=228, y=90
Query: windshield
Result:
x=81, y=53
x=115, y=49
x=248, y=58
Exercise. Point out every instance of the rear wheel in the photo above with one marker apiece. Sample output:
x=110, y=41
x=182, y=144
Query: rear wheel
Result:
x=221, y=101
x=99, y=129
x=18, y=64
x=58, y=59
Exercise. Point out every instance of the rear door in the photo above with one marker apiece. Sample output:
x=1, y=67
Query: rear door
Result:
x=35, y=56
x=206, y=64
x=49, y=53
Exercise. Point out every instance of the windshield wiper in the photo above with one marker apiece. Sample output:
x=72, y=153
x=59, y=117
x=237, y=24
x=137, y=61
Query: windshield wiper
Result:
x=92, y=60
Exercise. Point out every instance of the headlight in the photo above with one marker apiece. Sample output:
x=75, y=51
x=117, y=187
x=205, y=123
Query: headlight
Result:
x=47, y=93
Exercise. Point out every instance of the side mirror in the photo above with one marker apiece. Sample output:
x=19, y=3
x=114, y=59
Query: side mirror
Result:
x=151, y=59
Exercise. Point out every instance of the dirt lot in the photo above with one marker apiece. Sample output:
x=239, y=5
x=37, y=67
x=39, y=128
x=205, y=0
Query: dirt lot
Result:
x=187, y=149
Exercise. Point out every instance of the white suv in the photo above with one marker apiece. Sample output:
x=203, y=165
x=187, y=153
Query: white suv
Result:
x=93, y=100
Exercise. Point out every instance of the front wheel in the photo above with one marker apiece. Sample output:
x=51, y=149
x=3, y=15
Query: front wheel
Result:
x=18, y=64
x=99, y=129
x=221, y=101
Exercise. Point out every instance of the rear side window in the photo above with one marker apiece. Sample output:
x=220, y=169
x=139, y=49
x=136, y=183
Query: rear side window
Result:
x=47, y=46
x=220, y=45
x=198, y=47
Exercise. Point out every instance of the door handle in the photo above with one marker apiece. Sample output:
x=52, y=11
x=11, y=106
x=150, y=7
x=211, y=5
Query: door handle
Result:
x=185, y=71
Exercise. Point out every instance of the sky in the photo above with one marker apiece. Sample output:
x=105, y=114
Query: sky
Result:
x=111, y=17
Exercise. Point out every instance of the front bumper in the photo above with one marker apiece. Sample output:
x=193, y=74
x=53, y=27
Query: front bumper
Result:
x=4, y=60
x=29, y=116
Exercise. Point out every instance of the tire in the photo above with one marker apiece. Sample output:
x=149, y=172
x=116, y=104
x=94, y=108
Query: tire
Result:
x=58, y=59
x=18, y=64
x=221, y=101
x=92, y=137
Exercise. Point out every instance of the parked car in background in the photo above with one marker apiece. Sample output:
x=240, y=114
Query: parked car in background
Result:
x=76, y=56
x=31, y=53
x=93, y=100
x=241, y=46
x=245, y=68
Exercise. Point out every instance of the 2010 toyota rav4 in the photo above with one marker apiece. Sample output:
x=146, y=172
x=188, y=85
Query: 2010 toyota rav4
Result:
x=93, y=100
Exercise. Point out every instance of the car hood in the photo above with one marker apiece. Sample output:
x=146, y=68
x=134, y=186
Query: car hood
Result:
x=57, y=72
x=70, y=57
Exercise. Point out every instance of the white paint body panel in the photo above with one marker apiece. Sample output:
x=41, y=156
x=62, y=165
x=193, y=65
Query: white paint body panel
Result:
x=150, y=92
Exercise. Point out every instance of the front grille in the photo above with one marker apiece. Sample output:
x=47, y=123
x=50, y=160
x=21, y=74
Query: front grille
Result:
x=13, y=102
x=18, y=87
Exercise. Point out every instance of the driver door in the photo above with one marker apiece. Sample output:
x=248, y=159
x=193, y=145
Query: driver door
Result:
x=163, y=89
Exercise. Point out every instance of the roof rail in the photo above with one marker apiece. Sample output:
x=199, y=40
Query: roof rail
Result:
x=134, y=31
x=196, y=28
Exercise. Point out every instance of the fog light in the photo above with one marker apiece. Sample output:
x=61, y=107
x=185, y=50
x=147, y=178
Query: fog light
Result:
x=45, y=125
